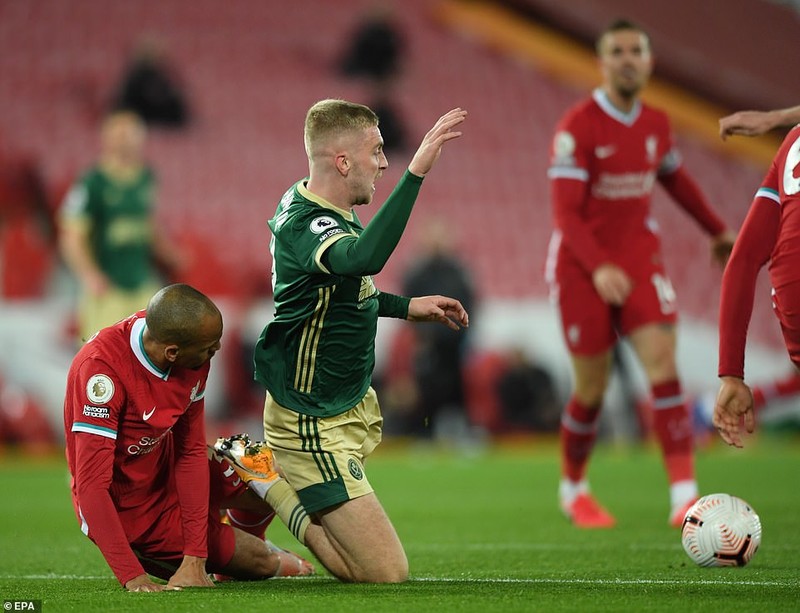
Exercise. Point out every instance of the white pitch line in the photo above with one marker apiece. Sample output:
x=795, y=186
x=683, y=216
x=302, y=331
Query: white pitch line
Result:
x=489, y=581
x=522, y=546
x=531, y=547
x=609, y=581
x=55, y=576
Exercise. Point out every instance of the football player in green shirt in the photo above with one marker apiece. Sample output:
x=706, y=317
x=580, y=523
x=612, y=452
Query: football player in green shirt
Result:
x=316, y=357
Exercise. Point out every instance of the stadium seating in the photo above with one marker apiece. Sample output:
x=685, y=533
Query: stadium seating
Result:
x=251, y=69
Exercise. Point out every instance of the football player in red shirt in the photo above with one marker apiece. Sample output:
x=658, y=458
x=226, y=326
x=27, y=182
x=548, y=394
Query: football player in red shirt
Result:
x=605, y=266
x=770, y=233
x=142, y=479
x=755, y=123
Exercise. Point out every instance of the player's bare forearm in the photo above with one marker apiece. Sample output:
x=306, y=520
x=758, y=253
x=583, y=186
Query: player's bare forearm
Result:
x=755, y=123
x=447, y=311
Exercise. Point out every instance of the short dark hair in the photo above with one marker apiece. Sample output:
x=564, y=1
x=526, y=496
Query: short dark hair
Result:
x=175, y=312
x=619, y=25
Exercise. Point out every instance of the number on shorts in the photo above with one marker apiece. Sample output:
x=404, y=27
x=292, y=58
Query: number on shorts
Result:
x=665, y=293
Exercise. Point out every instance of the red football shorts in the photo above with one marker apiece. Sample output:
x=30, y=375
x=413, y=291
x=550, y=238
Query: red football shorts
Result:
x=160, y=551
x=590, y=326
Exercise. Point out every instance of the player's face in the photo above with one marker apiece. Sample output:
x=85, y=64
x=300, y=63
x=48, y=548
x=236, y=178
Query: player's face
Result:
x=368, y=163
x=203, y=349
x=625, y=61
x=124, y=135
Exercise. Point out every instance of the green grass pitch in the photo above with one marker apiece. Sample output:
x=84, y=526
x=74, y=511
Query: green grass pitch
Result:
x=482, y=532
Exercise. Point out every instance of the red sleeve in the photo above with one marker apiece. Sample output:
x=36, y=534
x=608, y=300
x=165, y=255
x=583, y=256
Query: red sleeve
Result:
x=94, y=467
x=95, y=433
x=686, y=192
x=569, y=197
x=569, y=189
x=751, y=251
x=191, y=479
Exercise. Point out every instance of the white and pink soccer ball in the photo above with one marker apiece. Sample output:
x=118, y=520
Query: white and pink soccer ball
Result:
x=721, y=530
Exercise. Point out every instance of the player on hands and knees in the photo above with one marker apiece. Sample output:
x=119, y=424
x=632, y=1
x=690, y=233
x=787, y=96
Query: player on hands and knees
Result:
x=143, y=487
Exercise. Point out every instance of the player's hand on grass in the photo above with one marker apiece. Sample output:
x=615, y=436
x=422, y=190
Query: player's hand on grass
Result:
x=733, y=407
x=143, y=583
x=191, y=573
x=431, y=145
x=447, y=311
x=612, y=283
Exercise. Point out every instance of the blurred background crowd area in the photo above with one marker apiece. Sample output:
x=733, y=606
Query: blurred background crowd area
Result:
x=244, y=73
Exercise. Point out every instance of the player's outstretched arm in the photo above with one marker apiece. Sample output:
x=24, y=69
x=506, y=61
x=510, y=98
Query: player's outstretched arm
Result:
x=431, y=146
x=447, y=311
x=734, y=401
x=754, y=123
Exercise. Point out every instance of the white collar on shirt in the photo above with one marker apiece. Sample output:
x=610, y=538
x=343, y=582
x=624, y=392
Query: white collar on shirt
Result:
x=137, y=345
x=604, y=103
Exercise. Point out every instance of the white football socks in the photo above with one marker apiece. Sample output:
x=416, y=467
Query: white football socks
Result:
x=569, y=490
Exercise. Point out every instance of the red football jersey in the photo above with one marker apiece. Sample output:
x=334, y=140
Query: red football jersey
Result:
x=135, y=445
x=604, y=164
x=782, y=184
x=771, y=232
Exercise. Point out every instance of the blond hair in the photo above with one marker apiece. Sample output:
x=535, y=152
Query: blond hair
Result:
x=332, y=118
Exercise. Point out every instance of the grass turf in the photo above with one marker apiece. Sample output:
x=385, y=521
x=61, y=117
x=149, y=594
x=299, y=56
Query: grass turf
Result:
x=482, y=532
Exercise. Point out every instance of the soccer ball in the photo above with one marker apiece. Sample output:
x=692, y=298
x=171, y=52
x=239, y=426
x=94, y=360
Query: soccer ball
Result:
x=721, y=530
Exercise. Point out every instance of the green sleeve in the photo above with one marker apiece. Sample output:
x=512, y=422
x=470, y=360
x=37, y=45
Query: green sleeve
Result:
x=390, y=305
x=368, y=253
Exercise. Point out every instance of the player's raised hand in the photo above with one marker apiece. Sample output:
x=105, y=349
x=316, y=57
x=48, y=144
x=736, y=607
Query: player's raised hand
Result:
x=431, y=146
x=447, y=311
x=734, y=402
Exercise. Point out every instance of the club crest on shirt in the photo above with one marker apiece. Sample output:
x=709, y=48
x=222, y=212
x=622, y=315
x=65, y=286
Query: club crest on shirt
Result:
x=99, y=389
x=563, y=144
x=319, y=225
x=651, y=148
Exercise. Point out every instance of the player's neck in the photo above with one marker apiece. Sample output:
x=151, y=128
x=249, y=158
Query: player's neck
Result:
x=120, y=168
x=154, y=351
x=330, y=195
x=622, y=102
